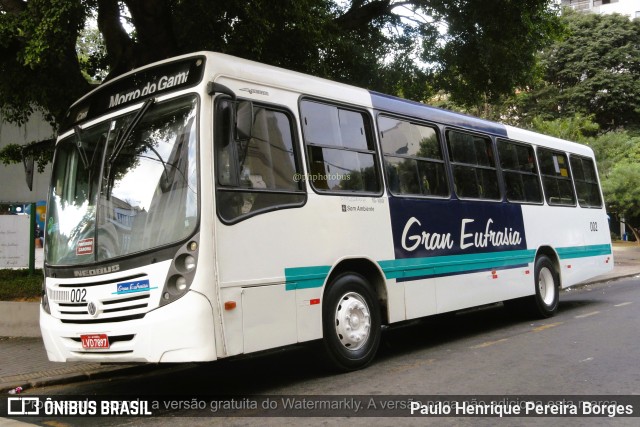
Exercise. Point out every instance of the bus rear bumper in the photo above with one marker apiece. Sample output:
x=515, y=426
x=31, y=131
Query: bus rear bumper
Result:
x=178, y=332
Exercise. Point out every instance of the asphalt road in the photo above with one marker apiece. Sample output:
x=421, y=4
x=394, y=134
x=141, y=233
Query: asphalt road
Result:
x=590, y=347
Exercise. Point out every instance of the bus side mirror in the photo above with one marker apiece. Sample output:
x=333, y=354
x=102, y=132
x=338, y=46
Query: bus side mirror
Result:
x=27, y=162
x=244, y=120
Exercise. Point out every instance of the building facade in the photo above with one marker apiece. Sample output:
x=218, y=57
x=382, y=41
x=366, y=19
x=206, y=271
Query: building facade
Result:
x=631, y=8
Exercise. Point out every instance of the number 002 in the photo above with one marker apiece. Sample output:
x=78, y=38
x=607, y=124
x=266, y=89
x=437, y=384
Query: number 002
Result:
x=78, y=295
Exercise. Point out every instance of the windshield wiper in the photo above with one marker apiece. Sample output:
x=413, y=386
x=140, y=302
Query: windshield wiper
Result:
x=122, y=139
x=81, y=151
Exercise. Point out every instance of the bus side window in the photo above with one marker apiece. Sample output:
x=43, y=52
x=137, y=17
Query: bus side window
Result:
x=340, y=149
x=518, y=163
x=256, y=174
x=556, y=177
x=413, y=158
x=474, y=170
x=586, y=180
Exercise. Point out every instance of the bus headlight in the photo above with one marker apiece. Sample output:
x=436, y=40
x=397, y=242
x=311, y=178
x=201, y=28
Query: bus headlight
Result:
x=177, y=284
x=181, y=273
x=185, y=263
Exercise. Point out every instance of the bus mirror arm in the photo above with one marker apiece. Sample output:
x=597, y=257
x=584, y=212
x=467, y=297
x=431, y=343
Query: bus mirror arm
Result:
x=27, y=162
x=213, y=88
x=243, y=112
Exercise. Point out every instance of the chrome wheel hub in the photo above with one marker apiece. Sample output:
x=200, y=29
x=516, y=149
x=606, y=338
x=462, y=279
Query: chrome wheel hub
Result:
x=353, y=321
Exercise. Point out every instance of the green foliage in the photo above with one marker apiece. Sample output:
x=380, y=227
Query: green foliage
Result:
x=618, y=155
x=622, y=192
x=48, y=50
x=592, y=71
x=38, y=63
x=19, y=285
x=614, y=148
x=491, y=47
x=576, y=128
x=50, y=56
x=41, y=151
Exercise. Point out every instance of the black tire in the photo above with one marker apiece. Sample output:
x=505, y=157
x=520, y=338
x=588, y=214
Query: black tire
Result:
x=544, y=303
x=350, y=322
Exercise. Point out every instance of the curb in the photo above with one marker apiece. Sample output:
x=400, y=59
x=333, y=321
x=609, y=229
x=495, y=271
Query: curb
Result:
x=20, y=319
x=102, y=373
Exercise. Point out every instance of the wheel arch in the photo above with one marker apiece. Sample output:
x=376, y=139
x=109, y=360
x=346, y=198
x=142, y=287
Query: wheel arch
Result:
x=550, y=253
x=372, y=272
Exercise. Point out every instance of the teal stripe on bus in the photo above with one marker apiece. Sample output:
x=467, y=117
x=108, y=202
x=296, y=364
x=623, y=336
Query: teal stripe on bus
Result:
x=584, y=251
x=408, y=268
x=305, y=277
x=443, y=265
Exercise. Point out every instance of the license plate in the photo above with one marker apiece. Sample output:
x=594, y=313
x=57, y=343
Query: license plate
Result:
x=95, y=341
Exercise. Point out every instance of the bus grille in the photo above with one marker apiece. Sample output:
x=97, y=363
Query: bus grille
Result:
x=110, y=308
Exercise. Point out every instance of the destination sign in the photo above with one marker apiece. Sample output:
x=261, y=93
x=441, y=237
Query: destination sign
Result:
x=137, y=87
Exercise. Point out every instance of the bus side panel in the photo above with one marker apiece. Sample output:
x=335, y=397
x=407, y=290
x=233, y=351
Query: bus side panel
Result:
x=454, y=254
x=309, y=314
x=420, y=298
x=486, y=287
x=290, y=253
x=232, y=322
x=268, y=317
x=579, y=236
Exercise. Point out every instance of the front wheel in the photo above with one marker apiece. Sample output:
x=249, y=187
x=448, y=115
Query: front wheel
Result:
x=351, y=322
x=547, y=282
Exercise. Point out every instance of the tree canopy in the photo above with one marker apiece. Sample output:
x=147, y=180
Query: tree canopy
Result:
x=480, y=50
x=593, y=71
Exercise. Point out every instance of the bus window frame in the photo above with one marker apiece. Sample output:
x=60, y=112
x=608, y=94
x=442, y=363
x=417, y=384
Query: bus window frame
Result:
x=597, y=182
x=566, y=155
x=295, y=144
x=496, y=168
x=445, y=162
x=370, y=135
x=503, y=170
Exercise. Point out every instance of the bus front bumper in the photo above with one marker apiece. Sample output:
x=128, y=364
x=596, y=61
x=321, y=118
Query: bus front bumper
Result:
x=182, y=331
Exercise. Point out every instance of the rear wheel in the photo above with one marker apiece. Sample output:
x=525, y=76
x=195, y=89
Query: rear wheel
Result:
x=351, y=322
x=545, y=301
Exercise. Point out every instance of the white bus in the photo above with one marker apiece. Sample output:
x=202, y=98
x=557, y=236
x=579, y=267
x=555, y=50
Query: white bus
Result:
x=208, y=206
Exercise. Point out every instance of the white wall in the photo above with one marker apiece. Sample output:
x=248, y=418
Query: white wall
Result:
x=14, y=241
x=13, y=186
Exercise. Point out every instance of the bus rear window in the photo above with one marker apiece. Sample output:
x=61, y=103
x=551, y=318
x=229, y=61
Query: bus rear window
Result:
x=586, y=180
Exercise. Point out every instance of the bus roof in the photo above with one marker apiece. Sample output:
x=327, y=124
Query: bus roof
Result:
x=227, y=66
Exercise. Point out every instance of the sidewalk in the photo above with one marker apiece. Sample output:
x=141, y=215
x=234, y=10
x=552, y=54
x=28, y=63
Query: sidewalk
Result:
x=25, y=364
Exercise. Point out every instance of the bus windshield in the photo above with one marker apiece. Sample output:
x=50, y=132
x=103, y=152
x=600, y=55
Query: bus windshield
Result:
x=124, y=185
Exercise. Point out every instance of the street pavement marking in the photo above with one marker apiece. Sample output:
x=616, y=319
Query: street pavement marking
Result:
x=488, y=343
x=412, y=366
x=588, y=359
x=545, y=327
x=55, y=424
x=582, y=316
x=623, y=304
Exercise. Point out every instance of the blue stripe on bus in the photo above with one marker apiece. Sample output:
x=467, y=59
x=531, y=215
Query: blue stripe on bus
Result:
x=414, y=109
x=409, y=269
